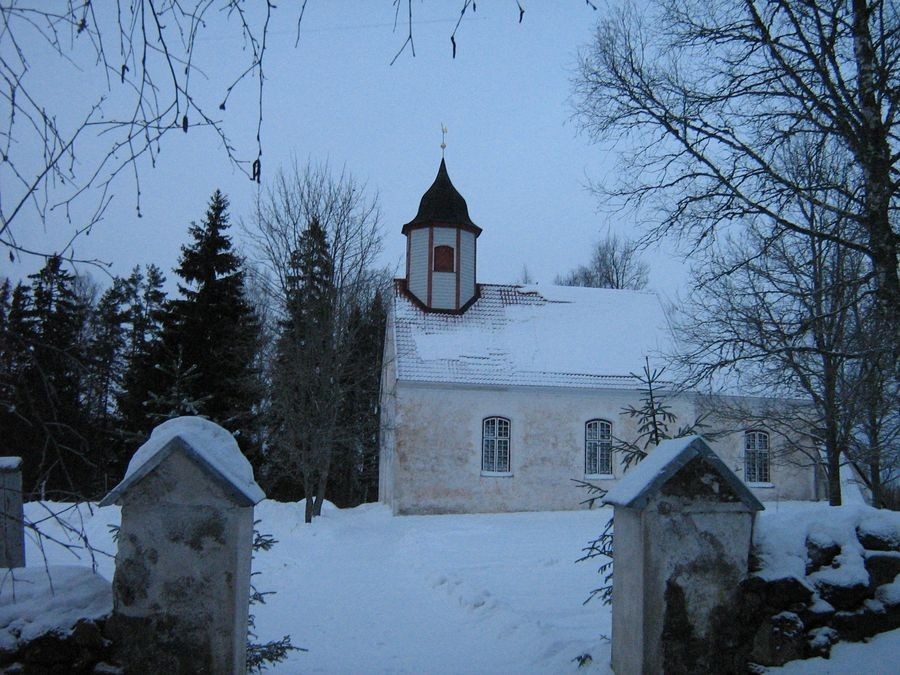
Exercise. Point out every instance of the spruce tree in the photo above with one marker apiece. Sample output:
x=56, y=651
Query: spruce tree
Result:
x=105, y=353
x=145, y=303
x=7, y=348
x=654, y=417
x=354, y=476
x=213, y=330
x=49, y=425
x=105, y=348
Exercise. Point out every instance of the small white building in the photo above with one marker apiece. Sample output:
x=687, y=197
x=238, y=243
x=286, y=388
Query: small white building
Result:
x=494, y=397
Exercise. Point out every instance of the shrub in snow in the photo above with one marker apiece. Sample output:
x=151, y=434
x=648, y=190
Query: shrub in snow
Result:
x=262, y=654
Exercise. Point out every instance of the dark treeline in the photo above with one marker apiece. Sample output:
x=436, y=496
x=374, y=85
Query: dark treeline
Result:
x=86, y=373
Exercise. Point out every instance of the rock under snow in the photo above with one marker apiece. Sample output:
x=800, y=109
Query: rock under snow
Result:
x=37, y=600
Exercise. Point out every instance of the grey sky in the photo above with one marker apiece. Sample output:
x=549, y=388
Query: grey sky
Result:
x=512, y=150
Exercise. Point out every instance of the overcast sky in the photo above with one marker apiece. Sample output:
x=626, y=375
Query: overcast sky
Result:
x=512, y=150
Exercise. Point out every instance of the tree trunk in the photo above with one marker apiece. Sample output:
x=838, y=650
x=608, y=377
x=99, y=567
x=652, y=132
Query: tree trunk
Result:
x=874, y=155
x=308, y=497
x=325, y=466
x=832, y=446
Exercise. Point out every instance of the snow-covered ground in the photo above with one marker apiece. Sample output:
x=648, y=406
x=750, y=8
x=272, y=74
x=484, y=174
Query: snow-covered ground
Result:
x=368, y=592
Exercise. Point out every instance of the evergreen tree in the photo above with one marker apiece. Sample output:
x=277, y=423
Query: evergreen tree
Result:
x=213, y=330
x=47, y=326
x=7, y=348
x=178, y=398
x=305, y=381
x=654, y=417
x=104, y=369
x=144, y=307
x=105, y=352
x=354, y=476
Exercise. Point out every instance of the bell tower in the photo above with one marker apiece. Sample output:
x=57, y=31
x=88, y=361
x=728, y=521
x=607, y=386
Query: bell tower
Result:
x=440, y=249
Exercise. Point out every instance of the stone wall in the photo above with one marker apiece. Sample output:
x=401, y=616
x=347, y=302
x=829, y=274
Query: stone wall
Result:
x=789, y=618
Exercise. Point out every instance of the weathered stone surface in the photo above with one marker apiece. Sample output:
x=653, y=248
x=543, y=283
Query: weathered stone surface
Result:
x=784, y=593
x=817, y=613
x=12, y=523
x=779, y=639
x=161, y=644
x=674, y=603
x=875, y=537
x=846, y=597
x=882, y=566
x=181, y=586
x=820, y=554
x=868, y=620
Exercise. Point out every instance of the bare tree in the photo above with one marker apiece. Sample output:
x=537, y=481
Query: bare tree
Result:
x=713, y=94
x=316, y=235
x=615, y=263
x=786, y=316
x=340, y=203
x=141, y=70
x=139, y=63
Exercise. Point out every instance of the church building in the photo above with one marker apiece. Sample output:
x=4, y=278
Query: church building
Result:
x=494, y=397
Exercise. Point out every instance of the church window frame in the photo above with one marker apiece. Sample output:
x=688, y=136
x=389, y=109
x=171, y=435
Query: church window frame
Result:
x=757, y=458
x=496, y=458
x=598, y=449
x=444, y=259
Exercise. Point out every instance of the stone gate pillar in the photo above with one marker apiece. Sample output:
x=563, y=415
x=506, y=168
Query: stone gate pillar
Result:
x=12, y=517
x=682, y=534
x=182, y=582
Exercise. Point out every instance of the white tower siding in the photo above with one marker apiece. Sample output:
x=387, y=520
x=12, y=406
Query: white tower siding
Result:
x=418, y=264
x=466, y=267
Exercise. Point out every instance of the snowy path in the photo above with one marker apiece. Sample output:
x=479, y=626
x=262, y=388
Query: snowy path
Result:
x=434, y=594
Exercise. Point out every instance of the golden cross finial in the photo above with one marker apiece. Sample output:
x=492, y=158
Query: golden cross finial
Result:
x=443, y=138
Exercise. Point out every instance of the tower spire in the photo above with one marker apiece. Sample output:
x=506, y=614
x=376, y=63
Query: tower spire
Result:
x=443, y=139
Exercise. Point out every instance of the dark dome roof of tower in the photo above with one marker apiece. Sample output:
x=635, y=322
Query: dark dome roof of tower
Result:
x=441, y=203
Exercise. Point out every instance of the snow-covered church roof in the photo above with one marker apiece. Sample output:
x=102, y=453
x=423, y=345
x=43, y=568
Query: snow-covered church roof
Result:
x=532, y=335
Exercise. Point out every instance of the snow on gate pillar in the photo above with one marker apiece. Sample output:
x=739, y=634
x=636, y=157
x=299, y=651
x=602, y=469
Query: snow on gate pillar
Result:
x=683, y=528
x=182, y=582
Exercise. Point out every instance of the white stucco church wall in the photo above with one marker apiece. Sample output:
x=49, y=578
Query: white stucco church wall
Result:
x=431, y=458
x=542, y=362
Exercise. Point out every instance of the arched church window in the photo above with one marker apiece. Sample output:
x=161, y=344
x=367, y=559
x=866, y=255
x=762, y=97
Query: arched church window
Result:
x=598, y=448
x=756, y=457
x=495, y=445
